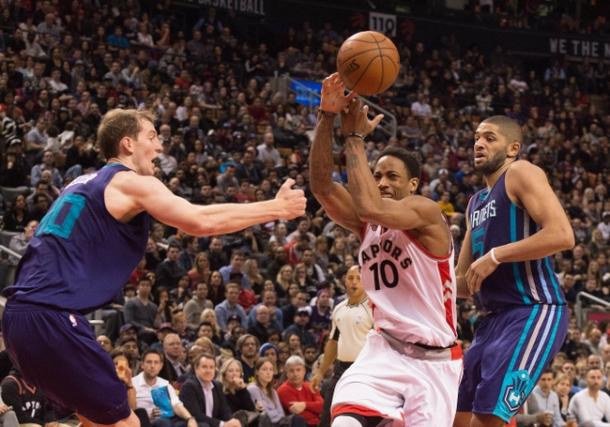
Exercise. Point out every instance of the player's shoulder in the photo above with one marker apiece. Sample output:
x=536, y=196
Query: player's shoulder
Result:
x=424, y=204
x=523, y=168
x=130, y=182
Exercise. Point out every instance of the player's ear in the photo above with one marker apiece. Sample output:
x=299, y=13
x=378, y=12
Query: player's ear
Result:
x=413, y=184
x=126, y=144
x=513, y=149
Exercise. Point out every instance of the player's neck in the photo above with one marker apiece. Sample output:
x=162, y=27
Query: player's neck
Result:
x=490, y=180
x=125, y=161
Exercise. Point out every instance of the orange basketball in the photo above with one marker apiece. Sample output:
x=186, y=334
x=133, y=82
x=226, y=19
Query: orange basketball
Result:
x=368, y=62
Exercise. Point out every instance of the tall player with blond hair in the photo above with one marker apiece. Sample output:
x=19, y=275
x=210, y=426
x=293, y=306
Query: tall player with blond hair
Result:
x=84, y=251
x=409, y=369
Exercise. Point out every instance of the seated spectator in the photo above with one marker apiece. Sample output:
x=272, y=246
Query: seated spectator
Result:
x=181, y=293
x=149, y=379
x=200, y=271
x=234, y=388
x=230, y=307
x=209, y=315
x=542, y=405
x=300, y=327
x=195, y=306
x=174, y=358
x=216, y=288
x=142, y=312
x=266, y=397
x=247, y=348
x=17, y=217
x=48, y=163
x=20, y=242
x=236, y=265
x=562, y=386
x=170, y=271
x=262, y=325
x=296, y=394
x=203, y=397
x=269, y=300
x=105, y=343
x=270, y=351
x=590, y=405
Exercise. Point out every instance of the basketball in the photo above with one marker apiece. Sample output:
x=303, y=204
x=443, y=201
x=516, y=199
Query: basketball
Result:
x=368, y=63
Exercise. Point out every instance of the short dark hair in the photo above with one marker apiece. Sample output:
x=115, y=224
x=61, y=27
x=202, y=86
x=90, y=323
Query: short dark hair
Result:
x=410, y=161
x=152, y=351
x=508, y=127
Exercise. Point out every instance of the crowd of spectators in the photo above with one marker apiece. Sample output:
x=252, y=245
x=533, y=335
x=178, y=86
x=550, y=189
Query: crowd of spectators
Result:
x=260, y=300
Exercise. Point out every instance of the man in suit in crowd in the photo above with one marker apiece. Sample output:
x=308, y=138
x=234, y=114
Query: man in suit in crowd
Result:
x=203, y=396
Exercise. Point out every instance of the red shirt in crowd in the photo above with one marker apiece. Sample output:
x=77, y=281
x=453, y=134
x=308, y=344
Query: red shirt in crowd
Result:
x=313, y=401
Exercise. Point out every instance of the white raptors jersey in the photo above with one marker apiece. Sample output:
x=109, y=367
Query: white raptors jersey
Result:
x=412, y=291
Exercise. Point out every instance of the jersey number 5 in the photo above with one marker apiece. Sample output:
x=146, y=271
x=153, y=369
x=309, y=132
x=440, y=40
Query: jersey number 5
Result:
x=380, y=274
x=62, y=216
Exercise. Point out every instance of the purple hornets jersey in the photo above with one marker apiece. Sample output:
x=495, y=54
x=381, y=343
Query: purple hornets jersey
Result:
x=496, y=221
x=80, y=256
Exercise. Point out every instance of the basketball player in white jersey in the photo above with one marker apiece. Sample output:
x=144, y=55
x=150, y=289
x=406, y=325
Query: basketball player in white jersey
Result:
x=409, y=369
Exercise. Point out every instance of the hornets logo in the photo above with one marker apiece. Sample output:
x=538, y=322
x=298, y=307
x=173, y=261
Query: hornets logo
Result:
x=516, y=390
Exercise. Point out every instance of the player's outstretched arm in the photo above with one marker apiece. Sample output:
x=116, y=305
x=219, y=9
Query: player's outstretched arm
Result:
x=333, y=197
x=136, y=193
x=406, y=214
x=528, y=185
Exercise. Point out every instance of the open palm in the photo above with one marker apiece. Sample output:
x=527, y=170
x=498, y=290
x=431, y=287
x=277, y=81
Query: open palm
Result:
x=334, y=99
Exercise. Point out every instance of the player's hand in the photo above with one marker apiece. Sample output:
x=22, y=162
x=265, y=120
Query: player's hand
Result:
x=292, y=201
x=192, y=422
x=156, y=413
x=315, y=382
x=4, y=408
x=297, y=407
x=479, y=271
x=334, y=99
x=356, y=119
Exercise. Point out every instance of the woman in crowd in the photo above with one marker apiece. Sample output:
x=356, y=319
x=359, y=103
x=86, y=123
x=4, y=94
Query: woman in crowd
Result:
x=200, y=271
x=266, y=398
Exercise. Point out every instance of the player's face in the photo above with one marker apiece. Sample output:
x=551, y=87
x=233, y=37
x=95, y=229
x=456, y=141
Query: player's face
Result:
x=353, y=285
x=146, y=149
x=490, y=148
x=393, y=179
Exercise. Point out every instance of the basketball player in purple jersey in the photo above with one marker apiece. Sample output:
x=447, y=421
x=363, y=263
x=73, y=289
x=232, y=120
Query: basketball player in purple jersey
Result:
x=83, y=252
x=514, y=226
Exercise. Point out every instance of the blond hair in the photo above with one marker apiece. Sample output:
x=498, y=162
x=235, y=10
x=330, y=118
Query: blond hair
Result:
x=116, y=125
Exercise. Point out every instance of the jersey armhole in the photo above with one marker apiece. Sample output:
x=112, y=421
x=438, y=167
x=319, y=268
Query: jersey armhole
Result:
x=363, y=231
